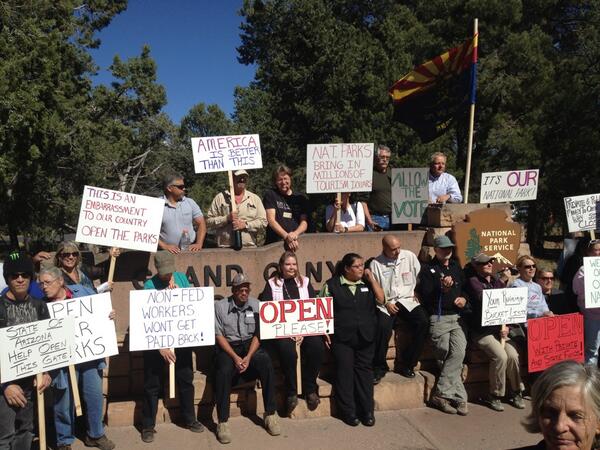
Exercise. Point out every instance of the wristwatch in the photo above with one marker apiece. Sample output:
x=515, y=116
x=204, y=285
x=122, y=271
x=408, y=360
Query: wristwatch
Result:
x=345, y=229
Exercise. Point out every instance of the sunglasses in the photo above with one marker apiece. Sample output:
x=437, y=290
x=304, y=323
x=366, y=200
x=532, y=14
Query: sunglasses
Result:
x=181, y=187
x=547, y=278
x=490, y=262
x=67, y=254
x=15, y=276
x=529, y=266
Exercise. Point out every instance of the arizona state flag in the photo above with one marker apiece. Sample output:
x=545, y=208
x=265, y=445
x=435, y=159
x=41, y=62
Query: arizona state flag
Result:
x=429, y=97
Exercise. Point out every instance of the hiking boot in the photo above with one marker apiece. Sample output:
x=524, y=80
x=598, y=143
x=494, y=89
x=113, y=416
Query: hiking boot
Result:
x=442, y=404
x=517, y=401
x=148, y=435
x=493, y=402
x=223, y=433
x=291, y=403
x=462, y=409
x=272, y=424
x=103, y=443
x=195, y=427
x=312, y=401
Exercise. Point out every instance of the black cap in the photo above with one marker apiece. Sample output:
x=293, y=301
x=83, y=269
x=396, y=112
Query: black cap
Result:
x=18, y=262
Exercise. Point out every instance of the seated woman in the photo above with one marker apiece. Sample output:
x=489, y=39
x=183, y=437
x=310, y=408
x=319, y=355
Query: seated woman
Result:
x=287, y=283
x=352, y=217
x=536, y=302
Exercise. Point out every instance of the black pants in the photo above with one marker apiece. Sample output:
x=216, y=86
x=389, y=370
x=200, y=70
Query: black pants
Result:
x=418, y=322
x=226, y=376
x=16, y=424
x=312, y=351
x=354, y=376
x=154, y=384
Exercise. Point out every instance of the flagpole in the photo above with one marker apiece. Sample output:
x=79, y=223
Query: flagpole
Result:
x=471, y=124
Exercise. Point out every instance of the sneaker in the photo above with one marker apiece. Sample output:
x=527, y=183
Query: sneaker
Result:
x=407, y=372
x=63, y=447
x=148, y=435
x=272, y=424
x=462, y=409
x=103, y=443
x=223, y=433
x=493, y=402
x=312, y=401
x=517, y=401
x=291, y=403
x=442, y=404
x=195, y=427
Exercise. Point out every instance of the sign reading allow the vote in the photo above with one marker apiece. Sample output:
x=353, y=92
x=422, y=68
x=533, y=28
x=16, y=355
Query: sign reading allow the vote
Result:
x=503, y=306
x=222, y=153
x=554, y=339
x=290, y=318
x=582, y=212
x=35, y=347
x=410, y=194
x=171, y=318
x=119, y=219
x=95, y=335
x=512, y=186
x=332, y=168
x=591, y=269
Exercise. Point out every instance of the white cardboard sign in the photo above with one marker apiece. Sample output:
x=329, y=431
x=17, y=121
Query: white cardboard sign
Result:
x=591, y=270
x=582, y=212
x=504, y=306
x=511, y=186
x=119, y=219
x=35, y=347
x=410, y=194
x=171, y=318
x=222, y=153
x=332, y=168
x=290, y=318
x=95, y=334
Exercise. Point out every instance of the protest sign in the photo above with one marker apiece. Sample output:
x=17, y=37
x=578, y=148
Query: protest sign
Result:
x=35, y=347
x=289, y=318
x=95, y=335
x=171, y=318
x=222, y=153
x=554, y=339
x=591, y=269
x=410, y=194
x=119, y=219
x=332, y=168
x=582, y=212
x=511, y=186
x=503, y=306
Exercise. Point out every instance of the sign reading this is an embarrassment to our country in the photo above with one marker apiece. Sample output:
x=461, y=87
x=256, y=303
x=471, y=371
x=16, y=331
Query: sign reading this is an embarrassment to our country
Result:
x=222, y=153
x=503, y=306
x=591, y=269
x=171, y=318
x=554, y=339
x=95, y=335
x=511, y=186
x=582, y=212
x=289, y=318
x=410, y=194
x=119, y=219
x=35, y=347
x=332, y=168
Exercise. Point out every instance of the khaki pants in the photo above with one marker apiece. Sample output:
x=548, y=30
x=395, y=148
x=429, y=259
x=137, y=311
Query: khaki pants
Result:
x=504, y=363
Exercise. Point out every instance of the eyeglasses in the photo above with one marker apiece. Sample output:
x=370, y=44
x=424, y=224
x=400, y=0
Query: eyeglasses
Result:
x=383, y=157
x=529, y=266
x=181, y=187
x=48, y=283
x=67, y=254
x=15, y=276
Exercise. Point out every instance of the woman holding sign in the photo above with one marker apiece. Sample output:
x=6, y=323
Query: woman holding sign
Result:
x=89, y=376
x=352, y=217
x=355, y=292
x=288, y=284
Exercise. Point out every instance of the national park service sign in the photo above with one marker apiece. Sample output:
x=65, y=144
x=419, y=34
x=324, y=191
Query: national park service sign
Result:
x=488, y=231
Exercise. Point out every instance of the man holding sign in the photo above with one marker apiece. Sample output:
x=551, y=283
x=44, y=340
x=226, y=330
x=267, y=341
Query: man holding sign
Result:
x=17, y=307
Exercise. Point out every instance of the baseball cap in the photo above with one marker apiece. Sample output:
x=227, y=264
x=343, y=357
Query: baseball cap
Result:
x=240, y=279
x=442, y=242
x=237, y=173
x=164, y=262
x=482, y=258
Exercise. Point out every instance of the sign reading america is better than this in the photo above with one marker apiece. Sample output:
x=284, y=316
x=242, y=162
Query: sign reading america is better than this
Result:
x=223, y=153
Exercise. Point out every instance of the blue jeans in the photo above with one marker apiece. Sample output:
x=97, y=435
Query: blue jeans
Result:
x=89, y=378
x=382, y=221
x=591, y=333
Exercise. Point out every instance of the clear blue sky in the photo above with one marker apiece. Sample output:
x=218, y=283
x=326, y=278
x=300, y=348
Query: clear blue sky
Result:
x=193, y=43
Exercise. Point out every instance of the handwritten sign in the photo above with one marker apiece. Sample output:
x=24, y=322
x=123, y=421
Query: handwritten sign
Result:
x=222, y=153
x=591, y=270
x=35, y=347
x=503, y=306
x=554, y=339
x=119, y=219
x=582, y=212
x=410, y=194
x=339, y=168
x=171, y=318
x=95, y=334
x=289, y=318
x=512, y=186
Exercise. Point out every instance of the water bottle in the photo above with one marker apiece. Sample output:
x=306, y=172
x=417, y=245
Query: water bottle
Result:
x=184, y=241
x=237, y=240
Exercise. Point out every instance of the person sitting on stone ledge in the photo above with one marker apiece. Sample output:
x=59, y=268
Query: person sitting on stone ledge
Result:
x=443, y=187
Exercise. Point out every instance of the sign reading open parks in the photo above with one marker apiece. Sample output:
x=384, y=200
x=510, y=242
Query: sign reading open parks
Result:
x=591, y=269
x=222, y=153
x=119, y=219
x=410, y=194
x=503, y=306
x=511, y=186
x=332, y=168
x=290, y=318
x=582, y=212
x=171, y=318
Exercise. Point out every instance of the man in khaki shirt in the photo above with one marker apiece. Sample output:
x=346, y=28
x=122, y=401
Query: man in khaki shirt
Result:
x=250, y=217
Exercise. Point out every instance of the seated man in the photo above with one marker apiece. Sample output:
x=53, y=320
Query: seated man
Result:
x=240, y=357
x=250, y=217
x=443, y=187
x=555, y=298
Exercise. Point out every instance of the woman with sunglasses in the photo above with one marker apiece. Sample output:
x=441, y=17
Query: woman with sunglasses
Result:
x=536, y=303
x=68, y=259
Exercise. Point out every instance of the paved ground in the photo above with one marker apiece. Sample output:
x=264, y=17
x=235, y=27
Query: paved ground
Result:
x=422, y=428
